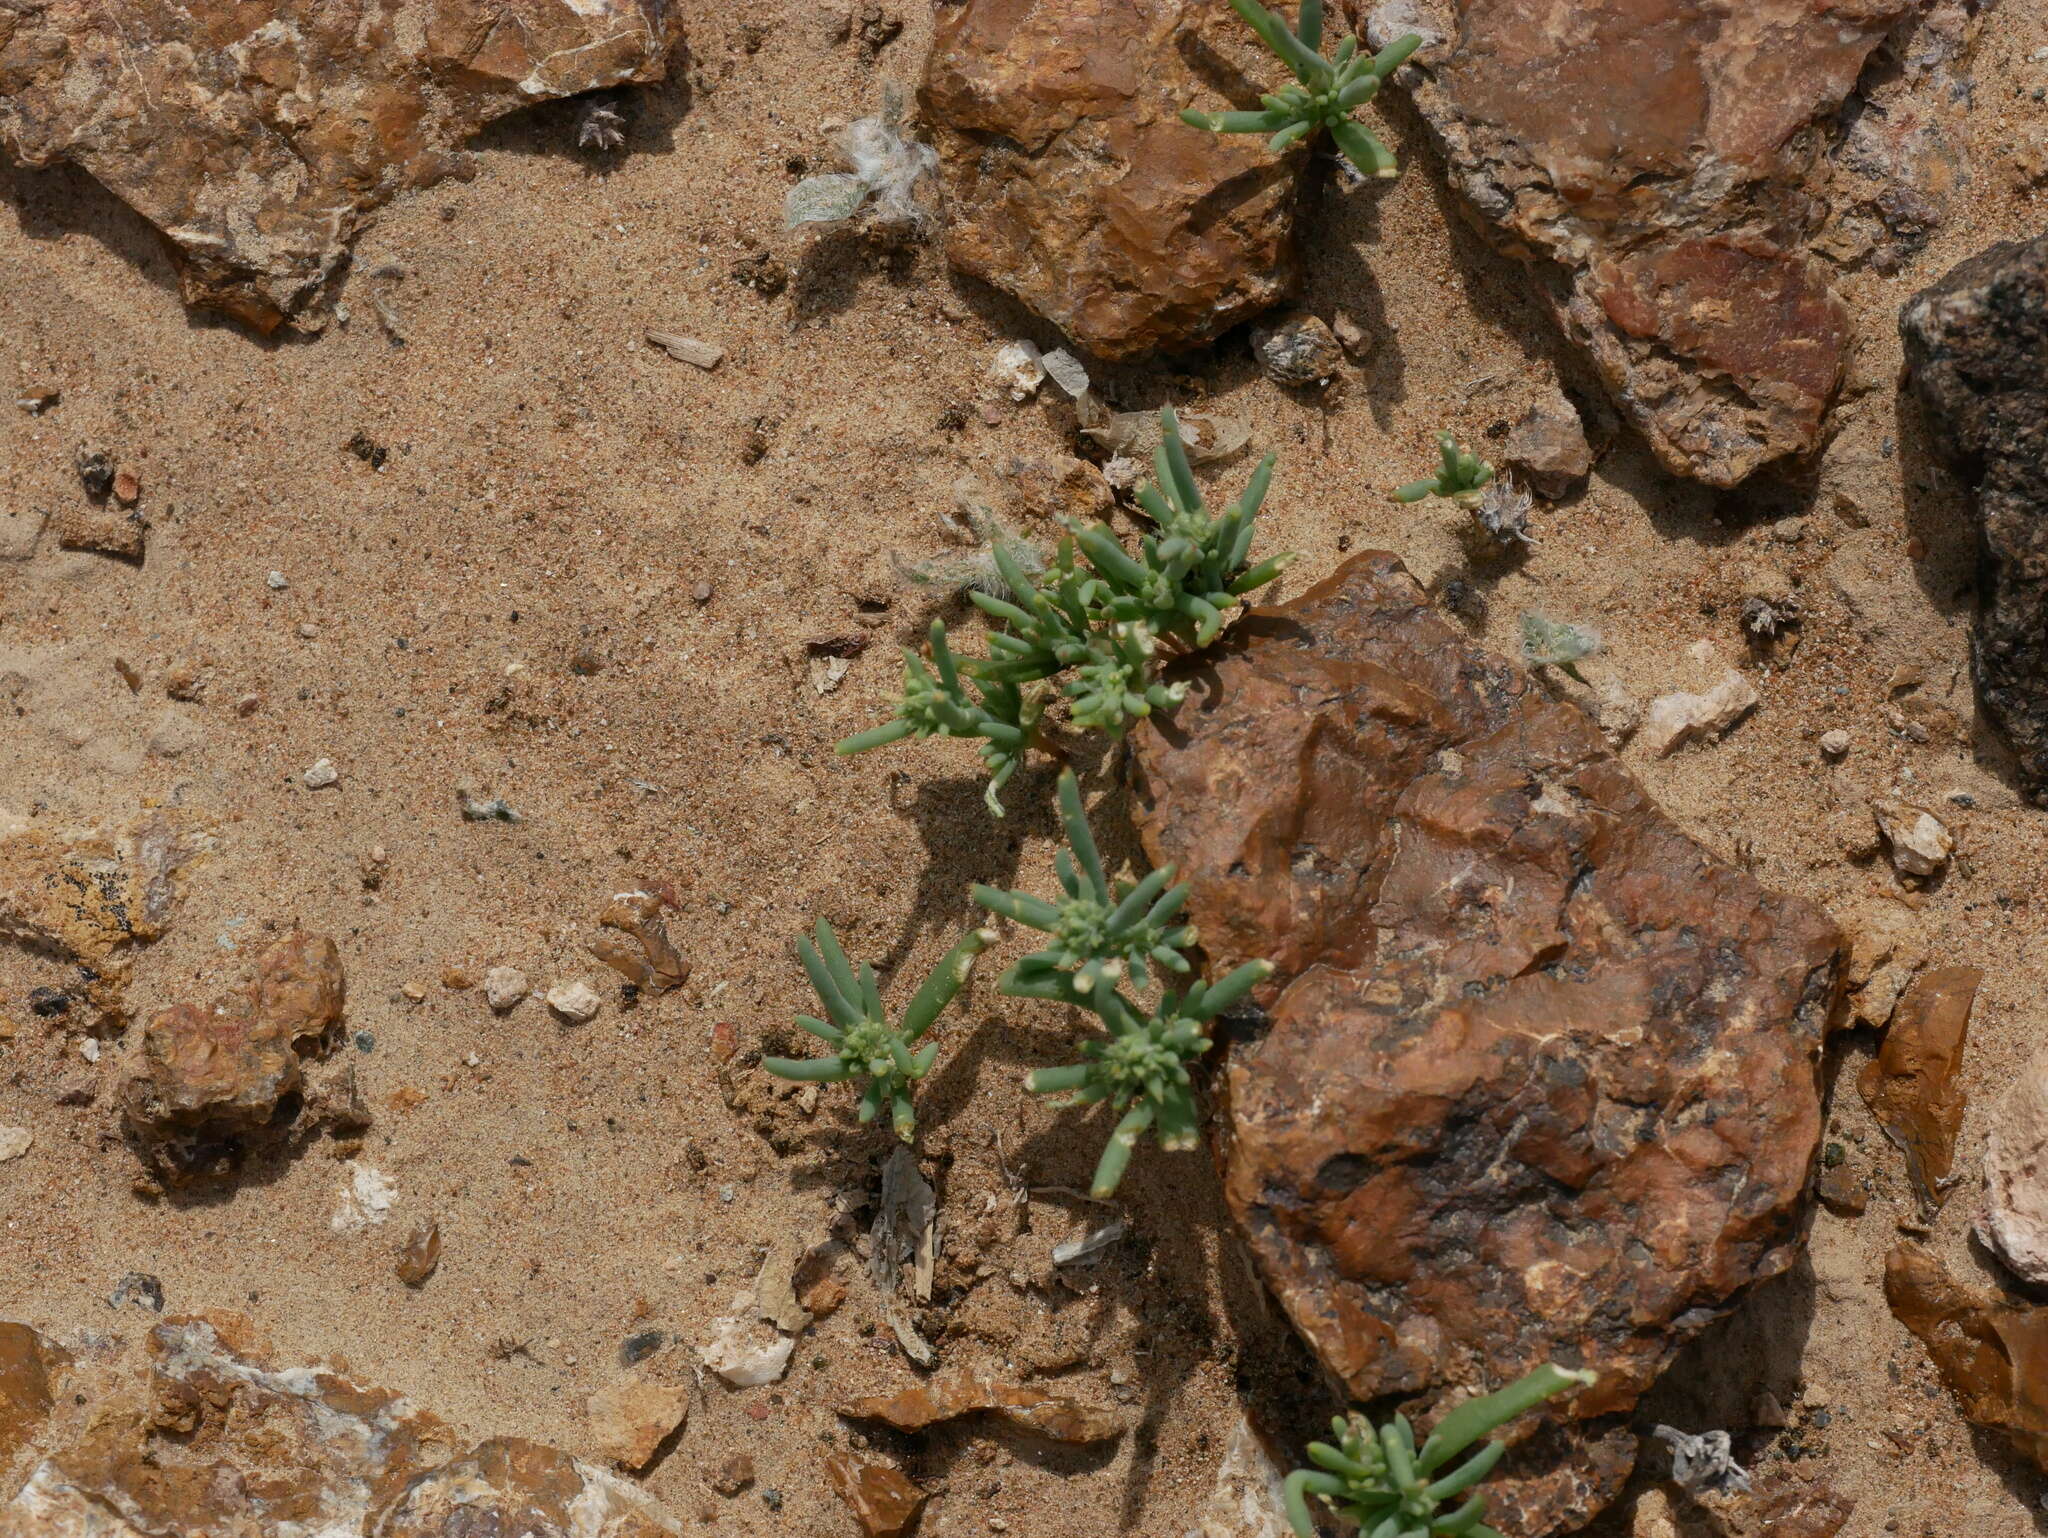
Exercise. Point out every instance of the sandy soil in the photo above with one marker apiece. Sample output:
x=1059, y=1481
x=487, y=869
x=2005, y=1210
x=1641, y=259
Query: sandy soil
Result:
x=510, y=601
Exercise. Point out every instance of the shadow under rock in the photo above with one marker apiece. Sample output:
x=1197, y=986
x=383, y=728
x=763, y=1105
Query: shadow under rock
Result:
x=1939, y=513
x=653, y=113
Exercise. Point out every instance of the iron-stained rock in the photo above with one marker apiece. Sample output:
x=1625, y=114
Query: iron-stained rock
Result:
x=256, y=138
x=1540, y=1077
x=1071, y=183
x=1652, y=157
x=199, y=1433
x=1991, y=1352
x=202, y=1080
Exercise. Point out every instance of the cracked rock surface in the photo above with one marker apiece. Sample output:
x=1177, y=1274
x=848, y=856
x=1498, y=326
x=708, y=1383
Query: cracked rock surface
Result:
x=1656, y=160
x=256, y=138
x=1072, y=184
x=1974, y=343
x=1539, y=1078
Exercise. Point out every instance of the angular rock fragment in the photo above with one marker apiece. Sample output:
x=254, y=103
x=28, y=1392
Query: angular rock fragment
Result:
x=1071, y=183
x=105, y=530
x=1912, y=1086
x=641, y=951
x=1974, y=343
x=92, y=898
x=1300, y=350
x=1676, y=719
x=513, y=1486
x=879, y=1494
x=421, y=1257
x=1992, y=1353
x=630, y=1419
x=256, y=139
x=1653, y=158
x=2015, y=1219
x=1547, y=448
x=200, y=1083
x=1540, y=1080
x=949, y=1395
x=198, y=1434
x=29, y=1368
x=1920, y=843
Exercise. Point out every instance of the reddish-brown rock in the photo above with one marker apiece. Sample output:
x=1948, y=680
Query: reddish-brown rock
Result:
x=1991, y=1352
x=202, y=1079
x=1653, y=156
x=199, y=1434
x=952, y=1394
x=1540, y=1078
x=1071, y=183
x=880, y=1495
x=1912, y=1086
x=257, y=137
x=28, y=1363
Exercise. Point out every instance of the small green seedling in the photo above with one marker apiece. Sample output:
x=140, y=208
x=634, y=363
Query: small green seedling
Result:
x=1463, y=477
x=1380, y=1480
x=936, y=703
x=1327, y=93
x=1142, y=1068
x=1100, y=624
x=1097, y=932
x=1548, y=643
x=864, y=1044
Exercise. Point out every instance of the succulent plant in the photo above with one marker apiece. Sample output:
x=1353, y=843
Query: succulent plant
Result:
x=1097, y=625
x=1549, y=643
x=1327, y=90
x=936, y=703
x=1379, y=1479
x=1141, y=1067
x=1463, y=476
x=1098, y=931
x=864, y=1044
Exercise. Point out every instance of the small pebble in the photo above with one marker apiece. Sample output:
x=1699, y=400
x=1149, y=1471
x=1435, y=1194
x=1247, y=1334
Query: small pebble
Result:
x=688, y=349
x=321, y=775
x=701, y=592
x=277, y=582
x=1835, y=743
x=127, y=488
x=504, y=987
x=576, y=1002
x=309, y=632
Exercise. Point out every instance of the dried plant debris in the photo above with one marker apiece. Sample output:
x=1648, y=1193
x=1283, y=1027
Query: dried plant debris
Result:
x=1205, y=437
x=1702, y=1462
x=601, y=127
x=949, y=1395
x=906, y=1231
x=640, y=951
x=481, y=808
x=1992, y=1354
x=887, y=166
x=1549, y=643
x=975, y=567
x=687, y=349
x=1913, y=1087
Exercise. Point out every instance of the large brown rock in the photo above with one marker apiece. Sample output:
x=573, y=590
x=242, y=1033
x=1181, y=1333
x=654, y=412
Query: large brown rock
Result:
x=1071, y=183
x=1652, y=157
x=256, y=137
x=1974, y=343
x=200, y=1434
x=202, y=1080
x=1540, y=1079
